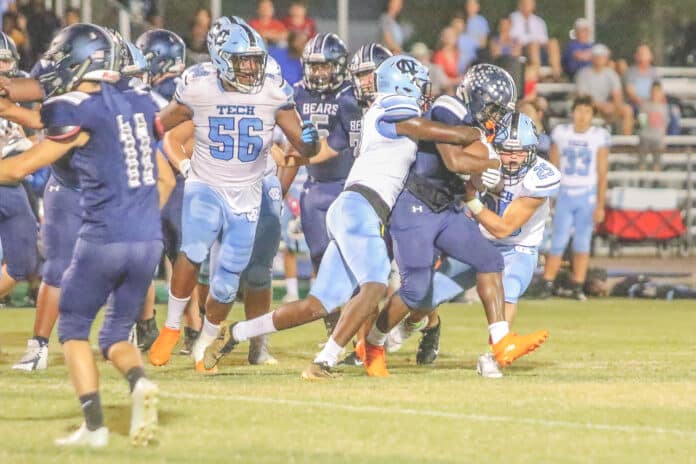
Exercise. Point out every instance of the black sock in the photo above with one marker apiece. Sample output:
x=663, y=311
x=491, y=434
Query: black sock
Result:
x=133, y=375
x=91, y=408
x=43, y=341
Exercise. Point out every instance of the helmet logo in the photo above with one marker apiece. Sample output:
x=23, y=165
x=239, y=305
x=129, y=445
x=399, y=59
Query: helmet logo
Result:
x=406, y=66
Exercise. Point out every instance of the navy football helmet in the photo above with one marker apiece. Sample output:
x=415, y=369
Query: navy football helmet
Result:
x=8, y=53
x=81, y=52
x=238, y=53
x=517, y=134
x=164, y=51
x=489, y=92
x=324, y=63
x=363, y=63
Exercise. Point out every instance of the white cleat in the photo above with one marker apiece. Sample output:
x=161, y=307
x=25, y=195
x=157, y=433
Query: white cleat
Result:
x=35, y=357
x=402, y=332
x=86, y=438
x=488, y=367
x=259, y=355
x=144, y=412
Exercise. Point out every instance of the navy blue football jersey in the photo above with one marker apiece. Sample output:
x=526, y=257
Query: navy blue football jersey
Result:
x=117, y=168
x=167, y=87
x=337, y=116
x=429, y=164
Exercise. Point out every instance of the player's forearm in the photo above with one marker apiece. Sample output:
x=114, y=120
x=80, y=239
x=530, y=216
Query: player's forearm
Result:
x=16, y=168
x=461, y=162
x=21, y=89
x=22, y=116
x=498, y=226
x=421, y=129
x=165, y=179
x=286, y=175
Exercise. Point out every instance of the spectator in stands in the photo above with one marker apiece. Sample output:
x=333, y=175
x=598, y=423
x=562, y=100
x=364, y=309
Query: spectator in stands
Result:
x=289, y=59
x=71, y=16
x=272, y=30
x=392, y=34
x=578, y=52
x=8, y=6
x=604, y=86
x=196, y=45
x=441, y=84
x=447, y=54
x=298, y=21
x=42, y=25
x=503, y=44
x=531, y=32
x=466, y=44
x=639, y=78
x=11, y=27
x=535, y=109
x=654, y=117
x=477, y=25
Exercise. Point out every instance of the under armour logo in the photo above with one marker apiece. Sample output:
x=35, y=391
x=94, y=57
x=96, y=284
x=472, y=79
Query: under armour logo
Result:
x=417, y=209
x=406, y=66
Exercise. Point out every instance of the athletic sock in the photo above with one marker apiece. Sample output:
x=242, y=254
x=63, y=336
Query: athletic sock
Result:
x=209, y=333
x=175, y=310
x=291, y=286
x=376, y=337
x=498, y=330
x=92, y=410
x=43, y=341
x=330, y=353
x=133, y=375
x=262, y=325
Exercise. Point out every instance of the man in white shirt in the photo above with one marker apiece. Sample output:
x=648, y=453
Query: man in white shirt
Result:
x=530, y=31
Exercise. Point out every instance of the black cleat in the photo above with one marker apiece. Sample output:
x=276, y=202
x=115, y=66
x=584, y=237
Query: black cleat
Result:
x=429, y=345
x=351, y=360
x=190, y=337
x=579, y=293
x=147, y=333
x=547, y=289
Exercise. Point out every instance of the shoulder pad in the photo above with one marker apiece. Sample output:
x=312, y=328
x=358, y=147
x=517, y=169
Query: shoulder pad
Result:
x=74, y=98
x=450, y=106
x=542, y=180
x=196, y=71
x=398, y=108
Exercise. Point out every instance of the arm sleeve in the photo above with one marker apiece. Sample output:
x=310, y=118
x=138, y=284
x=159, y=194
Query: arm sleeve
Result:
x=395, y=108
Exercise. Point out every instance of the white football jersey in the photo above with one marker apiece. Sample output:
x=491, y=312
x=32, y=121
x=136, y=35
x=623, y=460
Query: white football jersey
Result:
x=233, y=133
x=384, y=158
x=541, y=181
x=578, y=154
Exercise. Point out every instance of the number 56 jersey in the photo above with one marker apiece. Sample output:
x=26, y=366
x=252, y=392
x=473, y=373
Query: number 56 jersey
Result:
x=542, y=180
x=233, y=132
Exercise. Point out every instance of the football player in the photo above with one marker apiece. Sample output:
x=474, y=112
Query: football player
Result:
x=234, y=106
x=111, y=136
x=581, y=152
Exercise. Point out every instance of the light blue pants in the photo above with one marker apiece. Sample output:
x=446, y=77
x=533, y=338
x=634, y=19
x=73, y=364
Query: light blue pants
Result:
x=574, y=214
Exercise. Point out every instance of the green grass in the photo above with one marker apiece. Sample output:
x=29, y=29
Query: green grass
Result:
x=616, y=382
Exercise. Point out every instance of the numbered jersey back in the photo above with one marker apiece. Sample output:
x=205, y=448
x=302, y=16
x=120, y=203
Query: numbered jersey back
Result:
x=117, y=168
x=233, y=130
x=541, y=181
x=578, y=154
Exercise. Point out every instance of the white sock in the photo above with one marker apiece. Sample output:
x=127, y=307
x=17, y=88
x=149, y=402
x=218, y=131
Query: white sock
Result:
x=262, y=325
x=376, y=337
x=311, y=281
x=209, y=332
x=291, y=286
x=329, y=354
x=498, y=330
x=175, y=309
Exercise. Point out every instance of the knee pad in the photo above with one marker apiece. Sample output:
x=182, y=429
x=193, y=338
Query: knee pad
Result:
x=416, y=287
x=224, y=286
x=53, y=269
x=195, y=252
x=74, y=326
x=512, y=288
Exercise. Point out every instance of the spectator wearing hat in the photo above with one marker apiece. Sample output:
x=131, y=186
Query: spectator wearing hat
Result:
x=298, y=21
x=602, y=83
x=640, y=77
x=441, y=84
x=578, y=52
x=272, y=30
x=531, y=32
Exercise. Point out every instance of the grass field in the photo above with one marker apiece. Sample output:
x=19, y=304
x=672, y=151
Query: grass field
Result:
x=616, y=382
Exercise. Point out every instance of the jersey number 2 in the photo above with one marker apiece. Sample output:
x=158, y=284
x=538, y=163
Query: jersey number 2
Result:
x=248, y=146
x=140, y=156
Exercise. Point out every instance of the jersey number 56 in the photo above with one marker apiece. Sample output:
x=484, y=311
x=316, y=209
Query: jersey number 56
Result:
x=223, y=131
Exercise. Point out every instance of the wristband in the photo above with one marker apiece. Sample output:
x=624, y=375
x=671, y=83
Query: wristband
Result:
x=475, y=206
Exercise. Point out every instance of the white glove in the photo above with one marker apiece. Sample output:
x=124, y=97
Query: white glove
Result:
x=492, y=154
x=16, y=146
x=490, y=178
x=185, y=167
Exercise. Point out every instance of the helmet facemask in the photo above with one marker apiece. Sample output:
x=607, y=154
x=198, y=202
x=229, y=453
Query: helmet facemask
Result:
x=245, y=71
x=323, y=75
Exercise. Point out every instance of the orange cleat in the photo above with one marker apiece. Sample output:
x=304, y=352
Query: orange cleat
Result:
x=375, y=361
x=513, y=346
x=360, y=350
x=200, y=368
x=161, y=350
